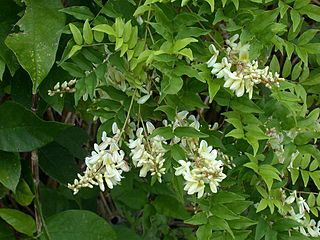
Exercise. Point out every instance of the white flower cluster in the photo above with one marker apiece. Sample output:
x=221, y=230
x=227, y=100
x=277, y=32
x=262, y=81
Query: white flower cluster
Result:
x=239, y=73
x=105, y=165
x=148, y=152
x=298, y=212
x=201, y=170
x=66, y=87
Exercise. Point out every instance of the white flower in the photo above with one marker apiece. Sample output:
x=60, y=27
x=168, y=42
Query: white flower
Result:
x=144, y=98
x=231, y=41
x=183, y=169
x=207, y=152
x=215, y=53
x=235, y=83
x=194, y=185
x=302, y=204
x=313, y=229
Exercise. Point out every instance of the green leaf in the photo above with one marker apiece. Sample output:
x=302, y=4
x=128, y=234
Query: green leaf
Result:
x=220, y=224
x=6, y=232
x=20, y=221
x=87, y=33
x=211, y=3
x=37, y=42
x=23, y=194
x=286, y=68
x=312, y=11
x=10, y=170
x=188, y=132
x=268, y=173
x=170, y=207
x=168, y=110
x=245, y=105
x=79, y=12
x=58, y=163
x=199, y=218
x=204, y=232
x=307, y=36
x=315, y=177
x=105, y=28
x=261, y=229
x=300, y=3
x=284, y=224
x=77, y=37
x=295, y=17
x=80, y=225
x=22, y=131
x=213, y=87
x=187, y=53
x=241, y=223
x=171, y=84
x=296, y=71
x=165, y=132
x=124, y=232
x=236, y=133
x=311, y=200
x=74, y=50
x=177, y=152
x=182, y=43
x=274, y=64
x=262, y=205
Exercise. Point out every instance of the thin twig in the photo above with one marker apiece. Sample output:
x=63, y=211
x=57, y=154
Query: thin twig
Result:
x=36, y=180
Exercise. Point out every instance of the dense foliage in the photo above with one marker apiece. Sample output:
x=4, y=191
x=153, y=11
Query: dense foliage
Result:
x=158, y=119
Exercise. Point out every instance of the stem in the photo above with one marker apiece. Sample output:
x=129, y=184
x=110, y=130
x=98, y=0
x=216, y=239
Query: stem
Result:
x=301, y=192
x=35, y=174
x=128, y=115
x=36, y=180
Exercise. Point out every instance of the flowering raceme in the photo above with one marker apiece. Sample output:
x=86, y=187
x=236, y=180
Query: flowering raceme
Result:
x=246, y=73
x=148, y=153
x=299, y=210
x=105, y=165
x=202, y=169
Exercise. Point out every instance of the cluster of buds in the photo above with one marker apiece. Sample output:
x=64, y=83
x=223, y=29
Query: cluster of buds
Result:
x=65, y=87
x=246, y=74
x=105, y=165
x=148, y=153
x=202, y=168
x=299, y=210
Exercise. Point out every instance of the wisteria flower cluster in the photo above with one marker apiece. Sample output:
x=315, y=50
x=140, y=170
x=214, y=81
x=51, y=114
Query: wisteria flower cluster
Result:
x=105, y=165
x=148, y=153
x=298, y=212
x=239, y=73
x=201, y=169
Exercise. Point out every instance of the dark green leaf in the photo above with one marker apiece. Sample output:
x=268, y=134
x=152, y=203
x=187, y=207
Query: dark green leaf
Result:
x=18, y=220
x=10, y=170
x=23, y=194
x=188, y=132
x=80, y=225
x=58, y=163
x=36, y=45
x=22, y=131
x=170, y=207
x=79, y=12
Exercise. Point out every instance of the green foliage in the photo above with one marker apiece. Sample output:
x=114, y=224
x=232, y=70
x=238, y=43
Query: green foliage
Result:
x=201, y=117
